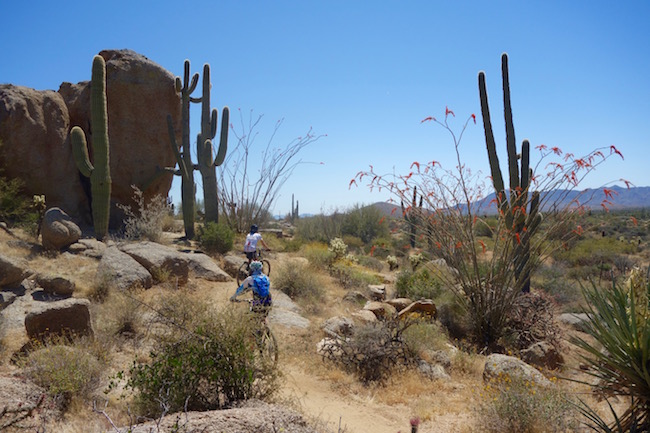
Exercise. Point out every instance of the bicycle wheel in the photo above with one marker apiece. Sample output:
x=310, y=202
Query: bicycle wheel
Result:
x=242, y=273
x=269, y=347
x=266, y=267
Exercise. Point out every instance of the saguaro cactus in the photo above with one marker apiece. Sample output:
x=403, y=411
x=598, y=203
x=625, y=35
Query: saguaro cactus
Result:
x=521, y=217
x=294, y=210
x=412, y=214
x=183, y=155
x=204, y=149
x=99, y=170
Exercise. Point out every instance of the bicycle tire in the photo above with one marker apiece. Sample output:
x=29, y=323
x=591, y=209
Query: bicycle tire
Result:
x=266, y=267
x=242, y=273
x=269, y=347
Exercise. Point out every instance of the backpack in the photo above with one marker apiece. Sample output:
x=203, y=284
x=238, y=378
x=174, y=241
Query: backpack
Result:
x=261, y=286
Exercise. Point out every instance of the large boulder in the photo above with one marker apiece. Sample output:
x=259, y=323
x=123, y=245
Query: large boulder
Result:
x=159, y=260
x=35, y=125
x=58, y=231
x=202, y=266
x=59, y=318
x=120, y=270
x=498, y=367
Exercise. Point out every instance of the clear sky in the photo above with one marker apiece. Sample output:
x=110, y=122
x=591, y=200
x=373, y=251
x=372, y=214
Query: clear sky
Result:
x=367, y=73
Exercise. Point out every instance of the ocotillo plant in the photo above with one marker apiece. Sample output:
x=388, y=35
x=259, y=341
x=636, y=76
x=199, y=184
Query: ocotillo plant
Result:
x=412, y=215
x=207, y=164
x=521, y=217
x=99, y=170
x=183, y=156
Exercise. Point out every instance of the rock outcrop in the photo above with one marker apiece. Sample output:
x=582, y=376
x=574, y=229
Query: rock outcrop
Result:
x=35, y=125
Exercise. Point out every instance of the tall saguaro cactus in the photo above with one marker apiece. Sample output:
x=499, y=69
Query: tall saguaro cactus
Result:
x=99, y=170
x=412, y=214
x=204, y=149
x=521, y=221
x=183, y=155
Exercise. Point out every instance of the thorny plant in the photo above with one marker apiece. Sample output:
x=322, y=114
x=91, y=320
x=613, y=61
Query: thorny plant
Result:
x=451, y=213
x=247, y=193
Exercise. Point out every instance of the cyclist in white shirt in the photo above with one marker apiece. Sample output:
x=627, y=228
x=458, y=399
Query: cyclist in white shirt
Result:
x=250, y=245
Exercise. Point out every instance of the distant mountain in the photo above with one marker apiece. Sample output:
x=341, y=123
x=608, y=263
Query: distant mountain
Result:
x=620, y=199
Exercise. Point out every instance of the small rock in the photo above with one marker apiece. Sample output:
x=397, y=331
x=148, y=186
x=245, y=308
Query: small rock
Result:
x=542, y=354
x=55, y=285
x=58, y=231
x=381, y=309
x=377, y=292
x=338, y=326
x=433, y=372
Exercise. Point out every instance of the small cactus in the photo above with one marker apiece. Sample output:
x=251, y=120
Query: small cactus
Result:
x=99, y=170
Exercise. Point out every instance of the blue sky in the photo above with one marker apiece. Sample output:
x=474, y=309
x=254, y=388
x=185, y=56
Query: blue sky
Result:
x=367, y=73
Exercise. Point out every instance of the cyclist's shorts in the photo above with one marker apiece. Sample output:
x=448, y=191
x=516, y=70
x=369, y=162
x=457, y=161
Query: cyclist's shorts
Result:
x=251, y=255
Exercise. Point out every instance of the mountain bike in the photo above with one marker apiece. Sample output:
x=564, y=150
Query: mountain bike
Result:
x=262, y=339
x=243, y=272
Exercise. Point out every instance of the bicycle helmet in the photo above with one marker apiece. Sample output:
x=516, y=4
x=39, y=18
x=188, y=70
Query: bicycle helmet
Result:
x=256, y=267
x=254, y=228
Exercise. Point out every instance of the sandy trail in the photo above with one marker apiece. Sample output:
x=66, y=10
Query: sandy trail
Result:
x=352, y=415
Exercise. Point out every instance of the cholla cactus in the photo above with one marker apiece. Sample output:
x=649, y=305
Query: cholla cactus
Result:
x=352, y=258
x=338, y=247
x=415, y=260
x=392, y=262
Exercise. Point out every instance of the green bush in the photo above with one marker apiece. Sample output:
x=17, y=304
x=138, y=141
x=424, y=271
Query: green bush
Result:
x=66, y=371
x=419, y=284
x=15, y=207
x=371, y=263
x=365, y=222
x=318, y=255
x=209, y=366
x=216, y=237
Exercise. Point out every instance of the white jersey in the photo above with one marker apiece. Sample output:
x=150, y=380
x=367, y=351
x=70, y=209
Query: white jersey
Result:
x=251, y=242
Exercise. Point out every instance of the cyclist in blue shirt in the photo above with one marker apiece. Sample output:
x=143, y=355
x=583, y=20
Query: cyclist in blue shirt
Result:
x=259, y=284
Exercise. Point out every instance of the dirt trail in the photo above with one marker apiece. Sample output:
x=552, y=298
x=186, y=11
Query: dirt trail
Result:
x=317, y=399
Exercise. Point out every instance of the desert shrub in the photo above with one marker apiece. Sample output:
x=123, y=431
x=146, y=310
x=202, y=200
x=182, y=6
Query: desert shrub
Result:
x=121, y=315
x=354, y=243
x=147, y=220
x=15, y=207
x=318, y=255
x=351, y=276
x=381, y=246
x=319, y=228
x=297, y=280
x=619, y=348
x=554, y=281
x=532, y=320
x=364, y=222
x=66, y=371
x=374, y=351
x=425, y=335
x=420, y=284
x=512, y=405
x=593, y=251
x=371, y=263
x=216, y=237
x=211, y=365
